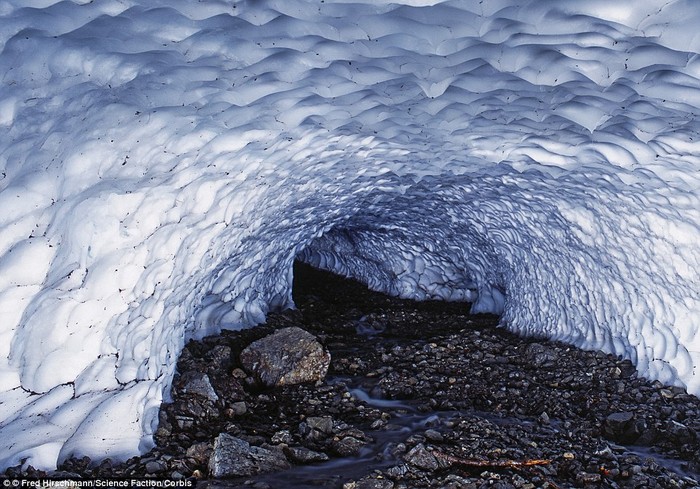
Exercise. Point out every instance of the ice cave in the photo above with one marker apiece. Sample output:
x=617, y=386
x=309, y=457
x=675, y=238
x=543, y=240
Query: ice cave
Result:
x=163, y=163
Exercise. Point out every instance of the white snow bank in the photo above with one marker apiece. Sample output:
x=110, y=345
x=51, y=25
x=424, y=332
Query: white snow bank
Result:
x=162, y=164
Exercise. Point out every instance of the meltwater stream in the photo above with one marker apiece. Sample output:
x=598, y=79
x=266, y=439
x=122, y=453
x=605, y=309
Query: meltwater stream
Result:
x=387, y=448
x=380, y=454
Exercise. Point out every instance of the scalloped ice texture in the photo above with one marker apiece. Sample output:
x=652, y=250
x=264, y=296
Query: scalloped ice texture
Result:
x=162, y=164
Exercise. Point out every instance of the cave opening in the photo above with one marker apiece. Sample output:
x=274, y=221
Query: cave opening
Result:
x=322, y=295
x=417, y=391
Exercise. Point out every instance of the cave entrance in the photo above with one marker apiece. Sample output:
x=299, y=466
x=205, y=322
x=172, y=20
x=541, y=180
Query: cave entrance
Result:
x=414, y=387
x=331, y=300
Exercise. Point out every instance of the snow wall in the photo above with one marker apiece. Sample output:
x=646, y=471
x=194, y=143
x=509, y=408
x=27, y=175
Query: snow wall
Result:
x=163, y=163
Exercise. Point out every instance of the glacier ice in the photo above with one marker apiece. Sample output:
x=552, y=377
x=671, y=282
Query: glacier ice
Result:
x=163, y=163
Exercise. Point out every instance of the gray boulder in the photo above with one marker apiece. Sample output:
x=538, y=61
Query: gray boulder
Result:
x=288, y=356
x=233, y=457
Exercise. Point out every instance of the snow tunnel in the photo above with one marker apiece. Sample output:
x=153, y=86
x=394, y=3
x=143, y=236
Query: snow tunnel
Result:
x=163, y=163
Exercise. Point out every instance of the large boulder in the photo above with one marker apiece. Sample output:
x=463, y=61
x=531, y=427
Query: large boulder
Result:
x=288, y=356
x=233, y=457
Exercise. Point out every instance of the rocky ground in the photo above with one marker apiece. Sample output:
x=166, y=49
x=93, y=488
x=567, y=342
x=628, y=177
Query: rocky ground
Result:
x=417, y=395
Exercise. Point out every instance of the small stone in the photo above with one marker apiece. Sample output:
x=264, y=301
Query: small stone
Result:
x=239, y=408
x=155, y=467
x=302, y=455
x=239, y=373
x=587, y=478
x=282, y=436
x=374, y=484
x=433, y=435
x=421, y=458
x=316, y=427
x=233, y=457
x=397, y=470
x=198, y=384
x=184, y=422
x=219, y=356
x=200, y=452
x=347, y=446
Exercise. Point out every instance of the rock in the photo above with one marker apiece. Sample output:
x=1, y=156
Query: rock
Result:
x=302, y=455
x=587, y=478
x=434, y=436
x=155, y=467
x=288, y=356
x=680, y=433
x=347, y=446
x=198, y=384
x=61, y=474
x=316, y=427
x=239, y=408
x=219, y=357
x=282, y=436
x=622, y=427
x=323, y=424
x=184, y=422
x=200, y=452
x=421, y=458
x=540, y=356
x=238, y=373
x=233, y=457
x=369, y=483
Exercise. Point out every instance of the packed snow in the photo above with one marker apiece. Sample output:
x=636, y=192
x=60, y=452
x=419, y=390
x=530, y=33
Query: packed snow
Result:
x=162, y=163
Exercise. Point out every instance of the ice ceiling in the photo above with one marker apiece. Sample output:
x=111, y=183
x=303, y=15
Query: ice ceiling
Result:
x=163, y=162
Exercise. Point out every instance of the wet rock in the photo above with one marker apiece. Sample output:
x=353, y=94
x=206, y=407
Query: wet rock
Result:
x=288, y=356
x=680, y=432
x=624, y=427
x=347, y=446
x=434, y=436
x=316, y=427
x=302, y=455
x=421, y=458
x=233, y=457
x=369, y=483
